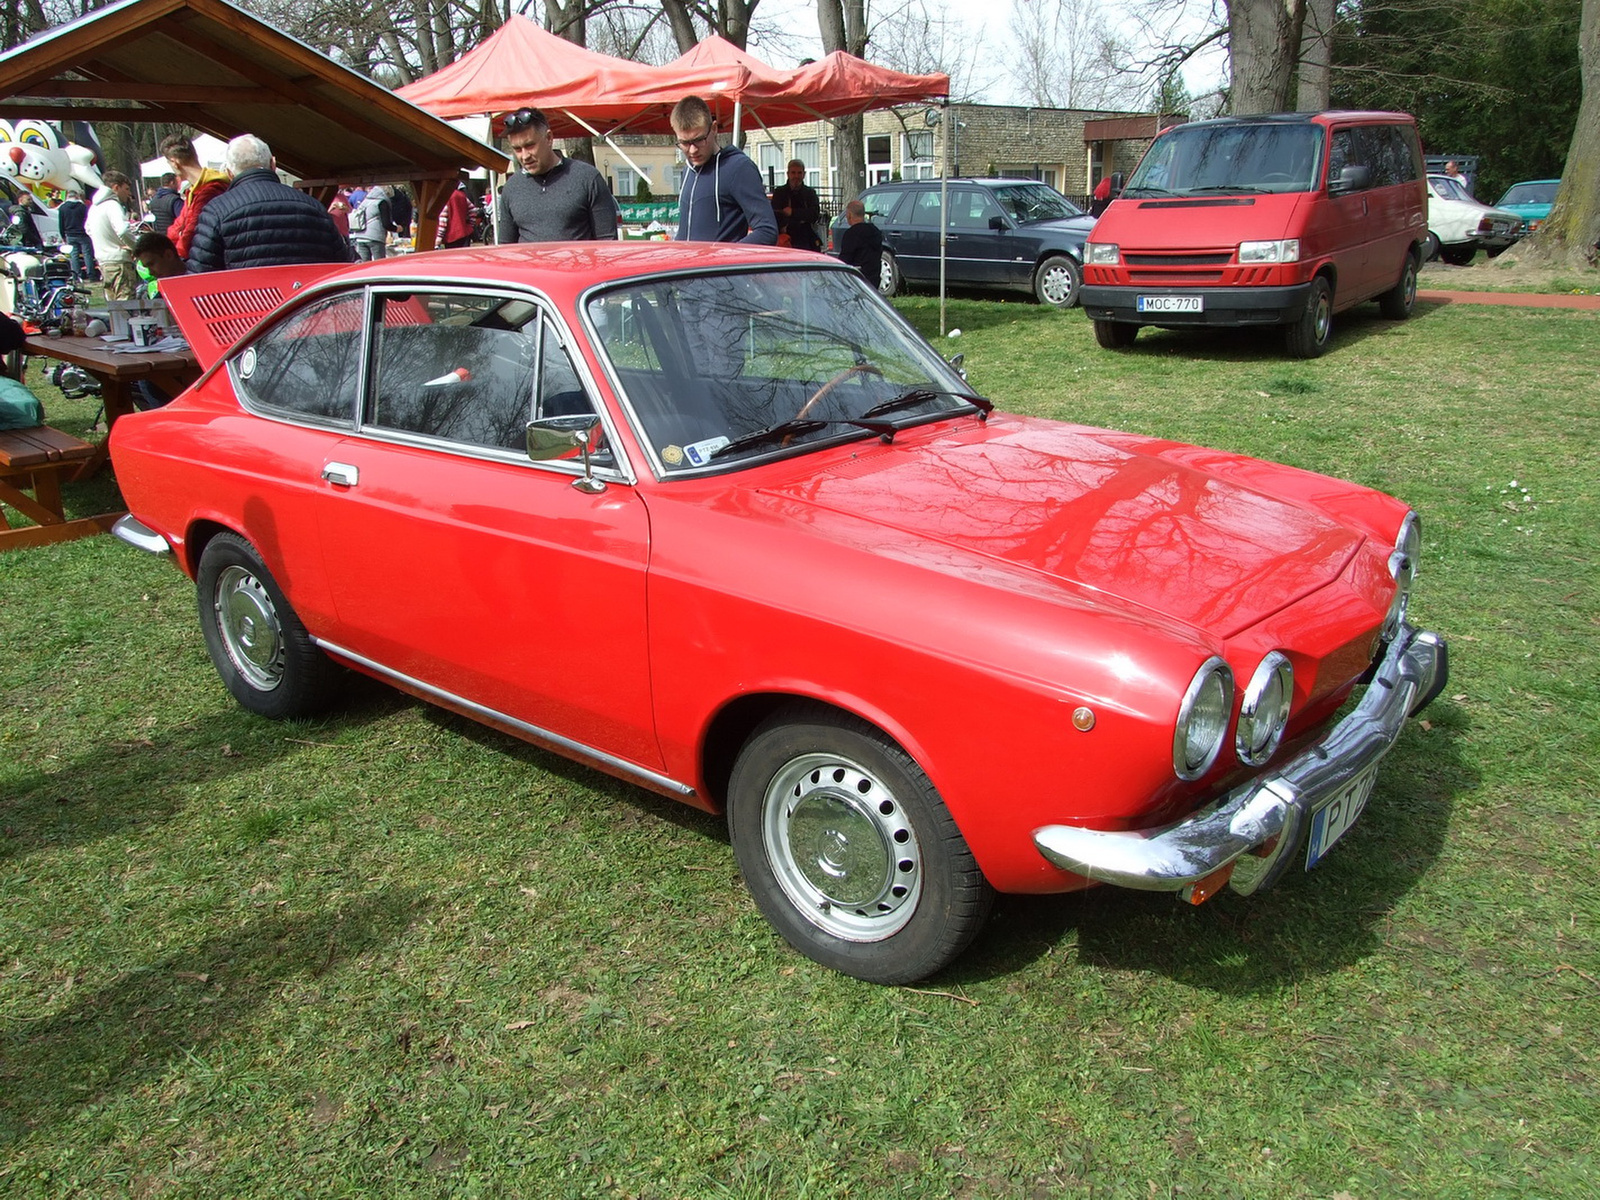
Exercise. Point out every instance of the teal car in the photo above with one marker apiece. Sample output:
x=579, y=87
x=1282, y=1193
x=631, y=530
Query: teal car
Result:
x=1531, y=200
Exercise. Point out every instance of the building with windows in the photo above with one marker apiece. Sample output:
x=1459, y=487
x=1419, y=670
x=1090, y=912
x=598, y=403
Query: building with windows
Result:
x=1070, y=149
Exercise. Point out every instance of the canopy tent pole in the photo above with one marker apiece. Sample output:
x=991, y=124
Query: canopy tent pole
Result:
x=606, y=138
x=944, y=205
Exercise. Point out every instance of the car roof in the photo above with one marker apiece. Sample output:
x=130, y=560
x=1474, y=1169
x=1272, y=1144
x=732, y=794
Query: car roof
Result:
x=1329, y=117
x=981, y=181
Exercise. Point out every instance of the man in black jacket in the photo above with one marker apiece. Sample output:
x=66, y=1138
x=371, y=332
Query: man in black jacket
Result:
x=260, y=221
x=164, y=205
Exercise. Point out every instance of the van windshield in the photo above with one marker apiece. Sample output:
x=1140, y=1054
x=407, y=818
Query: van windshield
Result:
x=1221, y=160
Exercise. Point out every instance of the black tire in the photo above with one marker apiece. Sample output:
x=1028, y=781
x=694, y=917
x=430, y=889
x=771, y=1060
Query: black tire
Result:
x=1057, y=280
x=1397, y=302
x=1115, y=335
x=256, y=642
x=848, y=850
x=1430, y=247
x=890, y=281
x=1458, y=256
x=1308, y=335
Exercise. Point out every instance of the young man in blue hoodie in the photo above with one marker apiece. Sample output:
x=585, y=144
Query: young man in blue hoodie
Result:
x=723, y=198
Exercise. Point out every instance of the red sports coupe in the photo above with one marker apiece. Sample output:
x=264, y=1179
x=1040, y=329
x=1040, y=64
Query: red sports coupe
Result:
x=716, y=520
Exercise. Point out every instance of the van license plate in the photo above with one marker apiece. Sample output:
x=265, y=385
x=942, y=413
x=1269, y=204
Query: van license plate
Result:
x=1333, y=820
x=1174, y=304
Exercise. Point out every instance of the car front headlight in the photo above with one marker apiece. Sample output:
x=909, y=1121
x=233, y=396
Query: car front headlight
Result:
x=1264, y=710
x=1101, y=254
x=1202, y=719
x=1403, y=562
x=1285, y=251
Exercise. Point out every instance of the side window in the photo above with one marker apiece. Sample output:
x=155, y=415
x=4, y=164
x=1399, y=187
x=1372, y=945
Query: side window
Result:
x=308, y=366
x=454, y=366
x=971, y=209
x=925, y=209
x=1381, y=150
x=1342, y=154
x=560, y=392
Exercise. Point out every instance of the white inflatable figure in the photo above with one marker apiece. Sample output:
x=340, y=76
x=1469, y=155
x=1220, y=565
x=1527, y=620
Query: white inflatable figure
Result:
x=32, y=157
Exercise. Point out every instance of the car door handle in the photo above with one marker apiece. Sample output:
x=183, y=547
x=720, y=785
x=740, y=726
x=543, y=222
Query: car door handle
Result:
x=341, y=474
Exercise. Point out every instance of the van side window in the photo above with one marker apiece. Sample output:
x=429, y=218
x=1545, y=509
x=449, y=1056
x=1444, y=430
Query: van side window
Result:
x=1342, y=153
x=1382, y=150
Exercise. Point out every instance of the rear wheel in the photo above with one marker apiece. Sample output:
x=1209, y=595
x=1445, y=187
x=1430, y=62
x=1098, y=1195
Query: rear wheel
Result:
x=849, y=851
x=1430, y=247
x=1057, y=280
x=1309, y=334
x=1396, y=303
x=1458, y=256
x=1115, y=335
x=256, y=642
x=889, y=281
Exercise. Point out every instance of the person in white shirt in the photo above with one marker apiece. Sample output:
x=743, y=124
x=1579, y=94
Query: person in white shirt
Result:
x=112, y=232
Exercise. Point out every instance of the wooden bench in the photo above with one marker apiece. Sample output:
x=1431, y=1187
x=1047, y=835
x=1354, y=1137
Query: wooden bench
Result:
x=37, y=459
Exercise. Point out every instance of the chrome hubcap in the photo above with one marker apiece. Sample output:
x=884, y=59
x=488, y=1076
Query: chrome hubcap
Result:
x=841, y=847
x=250, y=630
x=1056, y=284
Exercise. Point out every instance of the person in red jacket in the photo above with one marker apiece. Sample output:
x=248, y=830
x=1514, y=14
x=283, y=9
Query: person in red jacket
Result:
x=203, y=183
x=458, y=219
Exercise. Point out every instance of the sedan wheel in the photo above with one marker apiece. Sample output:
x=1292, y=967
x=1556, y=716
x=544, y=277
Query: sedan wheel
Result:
x=256, y=642
x=1057, y=280
x=849, y=851
x=889, y=280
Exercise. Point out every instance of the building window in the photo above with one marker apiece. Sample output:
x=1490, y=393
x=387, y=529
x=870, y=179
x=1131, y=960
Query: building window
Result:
x=916, y=155
x=806, y=152
x=879, y=156
x=774, y=166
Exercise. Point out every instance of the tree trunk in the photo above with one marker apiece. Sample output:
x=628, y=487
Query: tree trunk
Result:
x=1263, y=46
x=683, y=31
x=843, y=25
x=1570, y=236
x=1316, y=55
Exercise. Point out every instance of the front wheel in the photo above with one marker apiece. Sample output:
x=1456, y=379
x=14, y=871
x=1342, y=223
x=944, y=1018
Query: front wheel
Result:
x=848, y=850
x=1308, y=336
x=257, y=644
x=1430, y=247
x=1057, y=281
x=1115, y=335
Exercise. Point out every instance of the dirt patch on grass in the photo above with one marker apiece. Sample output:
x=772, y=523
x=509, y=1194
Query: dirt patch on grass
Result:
x=1506, y=274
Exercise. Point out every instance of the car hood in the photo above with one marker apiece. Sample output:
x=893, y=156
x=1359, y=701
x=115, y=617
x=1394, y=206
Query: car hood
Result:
x=1110, y=517
x=1074, y=227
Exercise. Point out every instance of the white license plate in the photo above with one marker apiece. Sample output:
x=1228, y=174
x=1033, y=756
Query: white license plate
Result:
x=1174, y=304
x=1330, y=822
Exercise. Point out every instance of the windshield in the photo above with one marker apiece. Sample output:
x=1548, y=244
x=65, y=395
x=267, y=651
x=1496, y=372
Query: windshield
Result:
x=712, y=364
x=1219, y=160
x=1035, y=202
x=1531, y=193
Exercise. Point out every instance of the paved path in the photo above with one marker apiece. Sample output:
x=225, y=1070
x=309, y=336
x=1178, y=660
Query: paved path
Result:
x=1512, y=299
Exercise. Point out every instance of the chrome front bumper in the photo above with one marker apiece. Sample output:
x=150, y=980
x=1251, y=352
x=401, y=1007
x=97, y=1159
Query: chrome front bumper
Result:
x=135, y=532
x=1275, y=805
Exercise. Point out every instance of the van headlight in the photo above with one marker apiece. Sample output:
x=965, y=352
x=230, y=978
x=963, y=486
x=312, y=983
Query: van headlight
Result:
x=1101, y=254
x=1203, y=719
x=1285, y=251
x=1403, y=562
x=1264, y=710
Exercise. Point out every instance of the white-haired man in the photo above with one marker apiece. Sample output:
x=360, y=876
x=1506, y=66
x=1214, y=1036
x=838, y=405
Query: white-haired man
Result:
x=260, y=221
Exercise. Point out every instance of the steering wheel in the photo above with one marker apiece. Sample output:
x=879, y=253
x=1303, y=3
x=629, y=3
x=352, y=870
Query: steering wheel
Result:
x=855, y=369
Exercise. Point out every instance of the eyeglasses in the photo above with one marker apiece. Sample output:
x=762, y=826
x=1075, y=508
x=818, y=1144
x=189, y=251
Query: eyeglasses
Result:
x=690, y=143
x=525, y=118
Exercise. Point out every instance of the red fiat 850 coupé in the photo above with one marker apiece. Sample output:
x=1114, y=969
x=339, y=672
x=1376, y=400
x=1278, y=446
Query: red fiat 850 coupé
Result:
x=716, y=520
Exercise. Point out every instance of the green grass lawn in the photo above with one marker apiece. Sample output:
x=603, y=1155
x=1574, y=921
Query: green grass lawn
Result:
x=392, y=953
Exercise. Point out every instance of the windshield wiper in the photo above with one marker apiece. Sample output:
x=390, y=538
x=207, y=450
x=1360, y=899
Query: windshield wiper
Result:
x=1146, y=189
x=794, y=427
x=1233, y=188
x=918, y=396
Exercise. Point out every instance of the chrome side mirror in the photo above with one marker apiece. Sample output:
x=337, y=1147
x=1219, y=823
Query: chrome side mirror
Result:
x=558, y=437
x=956, y=361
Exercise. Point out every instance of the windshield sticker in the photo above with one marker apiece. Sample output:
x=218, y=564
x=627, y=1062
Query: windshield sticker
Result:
x=247, y=363
x=700, y=453
x=672, y=455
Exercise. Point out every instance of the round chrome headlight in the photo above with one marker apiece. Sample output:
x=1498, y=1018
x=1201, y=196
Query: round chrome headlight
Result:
x=1264, y=711
x=1403, y=563
x=1203, y=719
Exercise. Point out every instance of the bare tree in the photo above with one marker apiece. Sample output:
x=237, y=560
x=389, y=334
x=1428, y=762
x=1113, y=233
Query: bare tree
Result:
x=1316, y=56
x=843, y=24
x=1065, y=56
x=1570, y=236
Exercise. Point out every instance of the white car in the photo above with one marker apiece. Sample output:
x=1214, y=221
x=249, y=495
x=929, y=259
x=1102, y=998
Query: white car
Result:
x=1459, y=226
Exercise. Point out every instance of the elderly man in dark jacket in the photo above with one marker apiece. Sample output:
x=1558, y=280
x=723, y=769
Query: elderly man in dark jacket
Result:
x=260, y=221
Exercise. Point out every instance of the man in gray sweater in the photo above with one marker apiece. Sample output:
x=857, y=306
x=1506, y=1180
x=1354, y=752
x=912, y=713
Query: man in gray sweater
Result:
x=553, y=198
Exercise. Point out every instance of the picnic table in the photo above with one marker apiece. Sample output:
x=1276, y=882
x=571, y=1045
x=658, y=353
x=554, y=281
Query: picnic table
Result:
x=117, y=371
x=35, y=460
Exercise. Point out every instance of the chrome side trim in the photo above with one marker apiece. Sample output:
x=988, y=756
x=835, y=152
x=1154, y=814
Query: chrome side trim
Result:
x=139, y=535
x=611, y=762
x=1412, y=673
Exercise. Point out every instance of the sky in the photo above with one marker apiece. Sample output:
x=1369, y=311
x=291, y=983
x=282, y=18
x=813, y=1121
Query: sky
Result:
x=981, y=25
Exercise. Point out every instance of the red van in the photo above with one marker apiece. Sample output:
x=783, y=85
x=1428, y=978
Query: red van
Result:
x=1280, y=219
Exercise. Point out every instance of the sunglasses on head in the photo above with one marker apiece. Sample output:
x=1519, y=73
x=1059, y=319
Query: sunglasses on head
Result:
x=524, y=118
